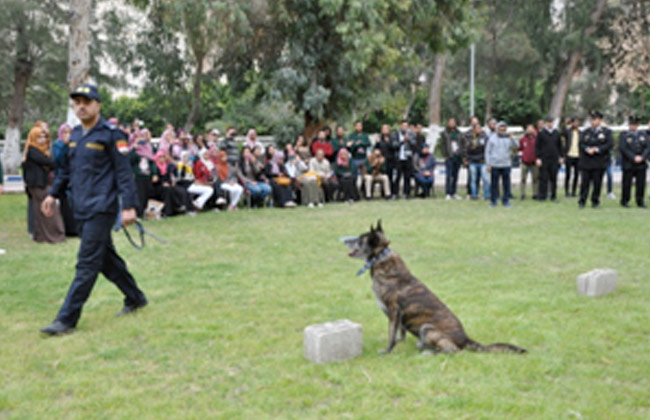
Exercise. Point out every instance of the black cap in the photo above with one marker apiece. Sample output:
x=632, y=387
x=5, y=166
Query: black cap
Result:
x=87, y=91
x=633, y=119
x=596, y=114
x=549, y=119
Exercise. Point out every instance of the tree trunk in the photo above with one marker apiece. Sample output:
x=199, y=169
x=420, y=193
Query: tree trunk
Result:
x=23, y=69
x=78, y=49
x=439, y=62
x=493, y=70
x=195, y=110
x=569, y=70
x=312, y=126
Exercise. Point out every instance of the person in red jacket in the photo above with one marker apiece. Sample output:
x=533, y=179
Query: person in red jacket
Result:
x=321, y=143
x=528, y=160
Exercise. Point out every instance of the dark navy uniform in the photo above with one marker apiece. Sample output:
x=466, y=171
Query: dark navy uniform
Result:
x=98, y=172
x=632, y=144
x=593, y=167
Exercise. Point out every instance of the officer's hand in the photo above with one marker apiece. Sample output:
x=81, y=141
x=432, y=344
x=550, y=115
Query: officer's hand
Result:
x=128, y=217
x=538, y=162
x=489, y=169
x=638, y=159
x=47, y=207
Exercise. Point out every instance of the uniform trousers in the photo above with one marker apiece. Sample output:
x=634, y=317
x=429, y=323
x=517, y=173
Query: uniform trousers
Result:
x=637, y=174
x=588, y=177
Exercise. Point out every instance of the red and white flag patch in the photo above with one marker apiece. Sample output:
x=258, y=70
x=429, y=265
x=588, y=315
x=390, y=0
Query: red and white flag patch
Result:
x=122, y=146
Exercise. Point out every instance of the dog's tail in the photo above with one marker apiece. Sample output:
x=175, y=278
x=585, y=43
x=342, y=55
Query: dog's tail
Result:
x=494, y=347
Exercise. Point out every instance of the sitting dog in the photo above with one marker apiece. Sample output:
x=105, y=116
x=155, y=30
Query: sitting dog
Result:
x=408, y=303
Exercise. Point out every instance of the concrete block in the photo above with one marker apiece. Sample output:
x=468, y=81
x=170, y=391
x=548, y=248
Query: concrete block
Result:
x=597, y=282
x=333, y=341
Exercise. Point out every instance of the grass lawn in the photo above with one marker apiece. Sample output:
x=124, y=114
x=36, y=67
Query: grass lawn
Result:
x=231, y=294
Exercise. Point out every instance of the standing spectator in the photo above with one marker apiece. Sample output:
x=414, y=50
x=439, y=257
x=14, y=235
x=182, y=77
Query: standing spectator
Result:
x=167, y=138
x=595, y=145
x=491, y=127
x=358, y=144
x=252, y=141
x=345, y=174
x=280, y=180
x=321, y=143
x=475, y=143
x=338, y=142
x=572, y=156
x=60, y=150
x=229, y=145
x=143, y=164
x=321, y=167
x=387, y=147
x=302, y=149
x=375, y=171
x=404, y=144
x=38, y=169
x=228, y=181
x=634, y=146
x=548, y=150
x=252, y=176
x=420, y=138
x=451, y=147
x=203, y=180
x=529, y=161
x=498, y=160
x=425, y=165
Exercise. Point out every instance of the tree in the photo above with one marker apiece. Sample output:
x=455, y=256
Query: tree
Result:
x=78, y=47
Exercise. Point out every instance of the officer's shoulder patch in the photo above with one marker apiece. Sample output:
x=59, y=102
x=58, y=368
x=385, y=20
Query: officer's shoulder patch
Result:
x=122, y=146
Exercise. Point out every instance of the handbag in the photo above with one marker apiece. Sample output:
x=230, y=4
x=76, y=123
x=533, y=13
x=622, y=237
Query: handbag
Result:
x=283, y=181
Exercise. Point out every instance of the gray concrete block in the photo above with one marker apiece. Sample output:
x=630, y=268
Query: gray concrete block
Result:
x=333, y=341
x=597, y=282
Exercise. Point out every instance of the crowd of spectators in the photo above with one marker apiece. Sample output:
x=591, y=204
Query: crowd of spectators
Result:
x=190, y=173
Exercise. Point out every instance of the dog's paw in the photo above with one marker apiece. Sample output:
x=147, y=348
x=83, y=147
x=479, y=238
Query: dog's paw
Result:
x=383, y=351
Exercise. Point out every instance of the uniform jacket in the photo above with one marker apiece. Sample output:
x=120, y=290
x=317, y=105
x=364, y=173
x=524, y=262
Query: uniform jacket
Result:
x=633, y=144
x=548, y=146
x=97, y=171
x=603, y=140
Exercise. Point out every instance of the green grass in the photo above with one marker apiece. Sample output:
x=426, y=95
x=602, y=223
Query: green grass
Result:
x=231, y=294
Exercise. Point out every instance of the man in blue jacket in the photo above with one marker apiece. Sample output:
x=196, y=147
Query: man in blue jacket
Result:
x=99, y=175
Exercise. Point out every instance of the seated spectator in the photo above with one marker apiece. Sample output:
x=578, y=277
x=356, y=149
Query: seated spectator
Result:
x=321, y=143
x=175, y=198
x=268, y=154
x=229, y=145
x=304, y=181
x=280, y=180
x=345, y=175
x=252, y=176
x=198, y=147
x=143, y=163
x=424, y=167
x=321, y=167
x=38, y=167
x=302, y=149
x=228, y=181
x=202, y=180
x=252, y=141
x=375, y=171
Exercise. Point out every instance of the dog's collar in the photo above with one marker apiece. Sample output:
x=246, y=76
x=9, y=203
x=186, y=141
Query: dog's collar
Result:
x=371, y=263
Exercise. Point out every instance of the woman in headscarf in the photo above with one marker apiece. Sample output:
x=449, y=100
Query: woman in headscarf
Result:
x=345, y=176
x=202, y=180
x=143, y=163
x=229, y=180
x=60, y=153
x=38, y=167
x=252, y=175
x=280, y=180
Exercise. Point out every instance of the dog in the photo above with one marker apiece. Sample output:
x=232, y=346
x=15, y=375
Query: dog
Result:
x=408, y=303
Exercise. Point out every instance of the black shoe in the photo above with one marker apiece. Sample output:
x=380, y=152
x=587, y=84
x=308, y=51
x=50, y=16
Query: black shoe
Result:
x=523, y=197
x=627, y=206
x=581, y=205
x=595, y=205
x=57, y=328
x=642, y=206
x=129, y=309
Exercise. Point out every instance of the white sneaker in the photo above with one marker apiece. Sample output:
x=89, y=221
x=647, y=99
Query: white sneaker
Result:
x=221, y=201
x=457, y=197
x=320, y=204
x=310, y=205
x=611, y=196
x=289, y=204
x=447, y=197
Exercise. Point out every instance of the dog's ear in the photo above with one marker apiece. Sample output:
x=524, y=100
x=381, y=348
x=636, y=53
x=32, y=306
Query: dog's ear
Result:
x=379, y=228
x=372, y=229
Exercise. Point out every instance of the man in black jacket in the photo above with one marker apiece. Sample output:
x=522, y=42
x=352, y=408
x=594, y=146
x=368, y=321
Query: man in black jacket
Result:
x=595, y=145
x=634, y=146
x=385, y=144
x=404, y=145
x=548, y=149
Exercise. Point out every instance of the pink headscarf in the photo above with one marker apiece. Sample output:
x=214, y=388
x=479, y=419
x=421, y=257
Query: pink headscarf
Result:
x=162, y=165
x=343, y=161
x=62, y=127
x=165, y=139
x=275, y=163
x=145, y=150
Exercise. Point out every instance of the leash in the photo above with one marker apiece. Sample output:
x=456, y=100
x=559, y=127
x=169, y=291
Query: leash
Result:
x=141, y=233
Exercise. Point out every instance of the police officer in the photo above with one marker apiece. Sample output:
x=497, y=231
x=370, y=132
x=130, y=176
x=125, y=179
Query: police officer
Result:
x=595, y=145
x=99, y=174
x=634, y=146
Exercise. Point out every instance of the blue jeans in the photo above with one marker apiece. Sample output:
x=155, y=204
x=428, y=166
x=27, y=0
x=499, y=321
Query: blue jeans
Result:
x=452, y=167
x=425, y=182
x=474, y=170
x=259, y=190
x=504, y=174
